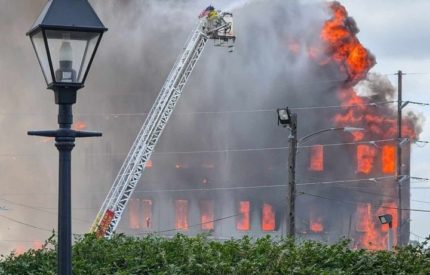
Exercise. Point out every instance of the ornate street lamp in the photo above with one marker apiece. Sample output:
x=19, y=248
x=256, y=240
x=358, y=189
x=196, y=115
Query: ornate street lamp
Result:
x=65, y=38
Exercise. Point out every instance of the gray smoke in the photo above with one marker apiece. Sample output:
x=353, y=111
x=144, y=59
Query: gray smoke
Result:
x=377, y=88
x=270, y=68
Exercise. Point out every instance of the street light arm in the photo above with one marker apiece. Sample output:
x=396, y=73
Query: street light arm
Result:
x=319, y=132
x=345, y=129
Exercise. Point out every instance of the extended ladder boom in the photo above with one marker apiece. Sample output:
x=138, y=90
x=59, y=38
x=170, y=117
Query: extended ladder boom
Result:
x=219, y=28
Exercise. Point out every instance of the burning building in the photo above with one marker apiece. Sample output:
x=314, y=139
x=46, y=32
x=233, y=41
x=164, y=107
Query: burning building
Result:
x=220, y=166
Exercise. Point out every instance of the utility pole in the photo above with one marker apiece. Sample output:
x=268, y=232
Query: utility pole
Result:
x=291, y=197
x=399, y=155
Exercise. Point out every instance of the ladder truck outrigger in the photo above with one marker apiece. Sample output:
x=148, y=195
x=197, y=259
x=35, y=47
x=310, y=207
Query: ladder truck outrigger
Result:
x=215, y=25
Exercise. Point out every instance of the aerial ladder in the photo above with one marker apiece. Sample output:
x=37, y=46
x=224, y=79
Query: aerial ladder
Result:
x=214, y=25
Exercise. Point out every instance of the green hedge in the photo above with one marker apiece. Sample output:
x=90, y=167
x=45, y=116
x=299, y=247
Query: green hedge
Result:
x=200, y=255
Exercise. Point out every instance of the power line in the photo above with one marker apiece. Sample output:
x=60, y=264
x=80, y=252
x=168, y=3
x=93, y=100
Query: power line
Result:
x=26, y=224
x=216, y=112
x=356, y=202
x=194, y=225
x=370, y=142
x=40, y=209
x=380, y=180
x=373, y=193
x=265, y=186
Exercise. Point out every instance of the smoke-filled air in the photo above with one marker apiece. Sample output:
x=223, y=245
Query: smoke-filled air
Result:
x=222, y=141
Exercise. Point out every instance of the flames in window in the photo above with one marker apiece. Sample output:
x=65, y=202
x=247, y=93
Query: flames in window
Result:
x=317, y=158
x=242, y=223
x=315, y=222
x=389, y=159
x=181, y=211
x=207, y=214
x=268, y=218
x=365, y=158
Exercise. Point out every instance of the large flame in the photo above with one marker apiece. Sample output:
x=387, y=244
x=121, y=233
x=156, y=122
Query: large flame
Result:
x=379, y=121
x=343, y=46
x=345, y=50
x=374, y=234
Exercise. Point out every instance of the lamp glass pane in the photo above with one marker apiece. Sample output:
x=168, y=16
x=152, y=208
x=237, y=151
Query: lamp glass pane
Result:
x=71, y=52
x=40, y=49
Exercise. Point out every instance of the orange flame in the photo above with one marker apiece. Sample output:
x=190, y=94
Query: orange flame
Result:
x=389, y=159
x=268, y=218
x=317, y=158
x=181, y=214
x=207, y=214
x=366, y=225
x=317, y=226
x=315, y=222
x=148, y=164
x=379, y=121
x=374, y=234
x=243, y=219
x=345, y=50
x=365, y=158
x=79, y=125
x=343, y=46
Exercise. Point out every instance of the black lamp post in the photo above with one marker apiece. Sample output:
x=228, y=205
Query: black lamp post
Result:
x=65, y=38
x=288, y=119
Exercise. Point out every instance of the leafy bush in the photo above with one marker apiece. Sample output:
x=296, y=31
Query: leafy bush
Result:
x=200, y=255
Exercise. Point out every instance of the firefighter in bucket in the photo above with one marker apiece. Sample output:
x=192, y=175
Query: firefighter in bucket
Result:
x=210, y=13
x=212, y=16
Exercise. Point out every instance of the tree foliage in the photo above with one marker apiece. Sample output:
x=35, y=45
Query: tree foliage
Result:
x=201, y=255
